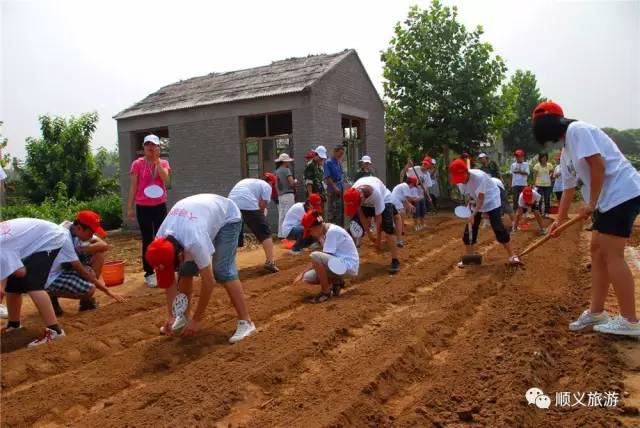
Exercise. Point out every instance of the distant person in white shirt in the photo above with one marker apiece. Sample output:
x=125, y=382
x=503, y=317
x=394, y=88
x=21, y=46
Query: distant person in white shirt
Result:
x=611, y=191
x=557, y=178
x=199, y=236
x=477, y=185
x=252, y=195
x=529, y=199
x=338, y=259
x=292, y=224
x=519, y=176
x=404, y=195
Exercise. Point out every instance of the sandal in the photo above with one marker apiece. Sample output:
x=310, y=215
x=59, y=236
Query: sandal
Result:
x=319, y=298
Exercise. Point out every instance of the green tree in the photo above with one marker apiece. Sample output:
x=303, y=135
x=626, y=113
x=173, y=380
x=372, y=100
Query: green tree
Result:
x=628, y=140
x=440, y=83
x=61, y=155
x=518, y=99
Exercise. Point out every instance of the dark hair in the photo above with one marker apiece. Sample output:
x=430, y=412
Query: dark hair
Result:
x=542, y=155
x=177, y=249
x=338, y=147
x=82, y=225
x=550, y=128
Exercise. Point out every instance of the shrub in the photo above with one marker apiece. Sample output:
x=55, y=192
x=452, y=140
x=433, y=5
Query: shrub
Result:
x=63, y=208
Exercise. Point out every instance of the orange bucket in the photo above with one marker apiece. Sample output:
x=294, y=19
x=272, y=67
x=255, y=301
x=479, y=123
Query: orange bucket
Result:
x=523, y=226
x=113, y=273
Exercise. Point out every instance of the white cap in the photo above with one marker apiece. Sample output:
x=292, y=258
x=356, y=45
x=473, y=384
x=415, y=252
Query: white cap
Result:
x=433, y=161
x=152, y=139
x=284, y=158
x=365, y=159
x=482, y=155
x=321, y=151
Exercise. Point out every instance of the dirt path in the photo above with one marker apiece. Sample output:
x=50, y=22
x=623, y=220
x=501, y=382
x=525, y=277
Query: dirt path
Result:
x=431, y=346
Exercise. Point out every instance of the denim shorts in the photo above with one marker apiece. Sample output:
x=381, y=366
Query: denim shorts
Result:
x=224, y=259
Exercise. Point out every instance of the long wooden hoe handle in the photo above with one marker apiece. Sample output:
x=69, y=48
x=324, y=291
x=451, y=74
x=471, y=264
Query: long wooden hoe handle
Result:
x=546, y=238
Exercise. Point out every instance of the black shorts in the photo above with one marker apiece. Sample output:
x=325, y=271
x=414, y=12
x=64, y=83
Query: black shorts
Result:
x=618, y=221
x=257, y=224
x=38, y=266
x=388, y=225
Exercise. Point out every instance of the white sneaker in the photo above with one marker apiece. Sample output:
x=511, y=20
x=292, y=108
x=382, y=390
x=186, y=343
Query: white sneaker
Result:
x=8, y=329
x=245, y=329
x=179, y=324
x=48, y=337
x=587, y=319
x=619, y=325
x=151, y=281
x=4, y=313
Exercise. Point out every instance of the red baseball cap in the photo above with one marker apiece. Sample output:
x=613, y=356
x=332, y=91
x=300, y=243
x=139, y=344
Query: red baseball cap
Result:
x=527, y=195
x=161, y=255
x=316, y=201
x=558, y=155
x=310, y=155
x=459, y=171
x=519, y=152
x=427, y=161
x=93, y=221
x=547, y=108
x=352, y=200
x=270, y=178
x=309, y=219
x=412, y=181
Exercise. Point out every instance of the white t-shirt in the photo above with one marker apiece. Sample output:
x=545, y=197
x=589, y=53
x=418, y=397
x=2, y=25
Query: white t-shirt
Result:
x=195, y=221
x=498, y=182
x=3, y=174
x=536, y=199
x=248, y=192
x=423, y=176
x=557, y=185
x=377, y=198
x=480, y=182
x=22, y=237
x=517, y=179
x=339, y=243
x=400, y=194
x=621, y=180
x=293, y=217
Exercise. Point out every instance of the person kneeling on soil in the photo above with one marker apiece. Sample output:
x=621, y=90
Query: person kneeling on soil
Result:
x=292, y=224
x=72, y=283
x=612, y=194
x=478, y=185
x=529, y=199
x=30, y=247
x=338, y=259
x=197, y=228
x=369, y=198
x=252, y=195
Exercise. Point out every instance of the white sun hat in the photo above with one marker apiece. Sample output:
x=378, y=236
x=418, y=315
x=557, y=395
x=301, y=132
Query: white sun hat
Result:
x=365, y=159
x=482, y=155
x=152, y=139
x=284, y=158
x=321, y=151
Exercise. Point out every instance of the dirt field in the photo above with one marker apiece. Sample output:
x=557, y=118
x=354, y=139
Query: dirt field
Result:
x=431, y=346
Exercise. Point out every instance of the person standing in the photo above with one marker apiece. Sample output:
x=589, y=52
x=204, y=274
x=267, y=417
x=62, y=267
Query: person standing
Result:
x=611, y=192
x=200, y=237
x=489, y=166
x=542, y=180
x=424, y=182
x=365, y=168
x=434, y=189
x=519, y=176
x=334, y=178
x=252, y=196
x=286, y=187
x=314, y=173
x=147, y=200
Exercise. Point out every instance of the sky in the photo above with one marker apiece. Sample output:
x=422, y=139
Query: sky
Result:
x=66, y=57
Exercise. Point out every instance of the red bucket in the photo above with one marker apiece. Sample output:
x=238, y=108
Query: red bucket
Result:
x=113, y=273
x=554, y=209
x=287, y=244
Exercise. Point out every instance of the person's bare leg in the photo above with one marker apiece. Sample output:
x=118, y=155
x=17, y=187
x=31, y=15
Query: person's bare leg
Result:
x=321, y=273
x=43, y=303
x=395, y=251
x=539, y=219
x=599, y=276
x=185, y=285
x=508, y=249
x=236, y=295
x=398, y=222
x=620, y=274
x=518, y=217
x=97, y=263
x=267, y=245
x=14, y=305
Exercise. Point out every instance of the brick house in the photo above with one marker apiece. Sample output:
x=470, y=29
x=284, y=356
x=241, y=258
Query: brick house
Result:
x=222, y=127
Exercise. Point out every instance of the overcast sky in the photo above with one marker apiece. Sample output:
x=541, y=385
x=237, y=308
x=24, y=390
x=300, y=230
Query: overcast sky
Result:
x=68, y=57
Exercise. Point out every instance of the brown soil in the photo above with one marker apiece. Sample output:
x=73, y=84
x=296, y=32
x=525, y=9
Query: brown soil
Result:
x=431, y=346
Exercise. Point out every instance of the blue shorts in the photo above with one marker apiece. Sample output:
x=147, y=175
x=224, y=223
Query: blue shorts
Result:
x=224, y=259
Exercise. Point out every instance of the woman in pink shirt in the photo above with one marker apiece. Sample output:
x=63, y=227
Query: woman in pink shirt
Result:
x=148, y=190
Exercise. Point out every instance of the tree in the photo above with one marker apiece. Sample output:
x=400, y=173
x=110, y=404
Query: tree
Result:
x=518, y=99
x=61, y=155
x=628, y=140
x=440, y=83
